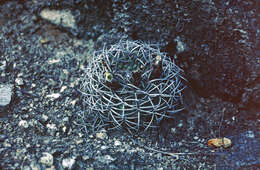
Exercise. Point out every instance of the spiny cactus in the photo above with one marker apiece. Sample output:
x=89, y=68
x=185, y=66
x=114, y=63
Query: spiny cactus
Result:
x=131, y=85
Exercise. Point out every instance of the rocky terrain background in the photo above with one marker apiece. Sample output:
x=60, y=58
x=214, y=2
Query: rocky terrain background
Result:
x=44, y=50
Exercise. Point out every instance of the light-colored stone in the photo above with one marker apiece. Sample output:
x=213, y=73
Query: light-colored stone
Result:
x=19, y=81
x=53, y=95
x=3, y=65
x=5, y=94
x=23, y=123
x=106, y=159
x=104, y=147
x=195, y=137
x=117, y=143
x=46, y=159
x=62, y=17
x=68, y=163
x=44, y=117
x=6, y=144
x=101, y=135
x=180, y=45
x=85, y=157
x=63, y=88
x=53, y=61
x=250, y=134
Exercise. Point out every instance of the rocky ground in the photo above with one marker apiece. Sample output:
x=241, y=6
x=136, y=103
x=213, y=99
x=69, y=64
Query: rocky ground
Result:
x=42, y=62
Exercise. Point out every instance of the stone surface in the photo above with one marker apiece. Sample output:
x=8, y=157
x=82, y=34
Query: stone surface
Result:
x=5, y=94
x=63, y=17
x=216, y=66
x=23, y=123
x=46, y=159
x=101, y=135
x=68, y=163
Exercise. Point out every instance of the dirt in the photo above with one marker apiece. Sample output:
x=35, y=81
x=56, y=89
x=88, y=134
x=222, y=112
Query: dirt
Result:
x=43, y=113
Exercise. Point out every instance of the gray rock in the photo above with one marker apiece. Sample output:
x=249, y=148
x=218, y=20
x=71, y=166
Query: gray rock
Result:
x=64, y=17
x=5, y=94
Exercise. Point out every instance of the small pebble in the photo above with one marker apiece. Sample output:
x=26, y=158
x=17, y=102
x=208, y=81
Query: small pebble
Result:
x=85, y=157
x=63, y=88
x=79, y=141
x=44, y=117
x=250, y=134
x=68, y=163
x=106, y=159
x=117, y=143
x=2, y=137
x=59, y=17
x=6, y=144
x=53, y=96
x=103, y=147
x=3, y=65
x=23, y=123
x=46, y=159
x=195, y=137
x=19, y=81
x=6, y=94
x=101, y=135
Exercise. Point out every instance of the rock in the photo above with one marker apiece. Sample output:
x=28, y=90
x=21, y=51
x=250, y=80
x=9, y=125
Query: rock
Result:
x=6, y=94
x=195, y=137
x=107, y=159
x=7, y=144
x=250, y=134
x=51, y=128
x=23, y=123
x=63, y=17
x=44, y=117
x=63, y=88
x=2, y=137
x=19, y=81
x=101, y=135
x=53, y=96
x=104, y=147
x=85, y=157
x=117, y=143
x=46, y=159
x=2, y=65
x=68, y=163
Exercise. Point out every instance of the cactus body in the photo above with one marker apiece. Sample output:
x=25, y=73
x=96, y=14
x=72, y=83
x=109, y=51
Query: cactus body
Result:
x=132, y=85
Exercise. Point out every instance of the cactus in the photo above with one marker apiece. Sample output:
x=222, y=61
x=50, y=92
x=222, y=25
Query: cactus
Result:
x=131, y=85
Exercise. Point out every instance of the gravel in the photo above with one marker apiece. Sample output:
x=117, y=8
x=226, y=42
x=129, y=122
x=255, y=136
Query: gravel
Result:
x=41, y=65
